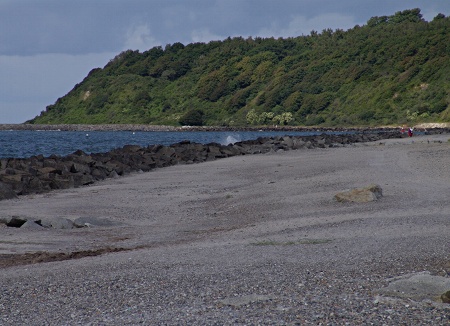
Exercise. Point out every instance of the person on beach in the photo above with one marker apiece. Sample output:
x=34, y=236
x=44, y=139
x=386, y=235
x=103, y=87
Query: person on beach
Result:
x=410, y=132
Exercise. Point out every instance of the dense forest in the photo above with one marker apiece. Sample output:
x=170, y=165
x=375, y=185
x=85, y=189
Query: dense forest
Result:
x=393, y=70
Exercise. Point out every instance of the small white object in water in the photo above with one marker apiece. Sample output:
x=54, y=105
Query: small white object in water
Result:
x=231, y=140
x=87, y=135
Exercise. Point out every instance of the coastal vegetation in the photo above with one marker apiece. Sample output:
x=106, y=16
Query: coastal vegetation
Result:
x=392, y=70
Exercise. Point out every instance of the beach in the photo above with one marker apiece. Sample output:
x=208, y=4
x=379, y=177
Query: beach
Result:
x=253, y=239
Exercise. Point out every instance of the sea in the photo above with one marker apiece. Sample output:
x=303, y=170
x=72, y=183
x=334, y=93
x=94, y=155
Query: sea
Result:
x=27, y=143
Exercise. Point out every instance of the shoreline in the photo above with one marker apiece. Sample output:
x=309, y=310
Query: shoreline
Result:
x=143, y=127
x=427, y=128
x=37, y=174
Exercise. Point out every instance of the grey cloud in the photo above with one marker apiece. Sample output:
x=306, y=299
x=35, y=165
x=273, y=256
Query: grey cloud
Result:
x=29, y=27
x=35, y=27
x=47, y=46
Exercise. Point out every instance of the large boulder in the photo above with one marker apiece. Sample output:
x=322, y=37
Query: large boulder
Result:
x=16, y=221
x=56, y=223
x=31, y=225
x=360, y=195
x=6, y=192
x=80, y=168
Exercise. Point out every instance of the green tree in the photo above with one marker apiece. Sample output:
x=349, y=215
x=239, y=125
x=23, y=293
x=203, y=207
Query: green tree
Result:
x=193, y=117
x=367, y=75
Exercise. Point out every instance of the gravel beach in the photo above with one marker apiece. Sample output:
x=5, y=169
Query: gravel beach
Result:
x=248, y=240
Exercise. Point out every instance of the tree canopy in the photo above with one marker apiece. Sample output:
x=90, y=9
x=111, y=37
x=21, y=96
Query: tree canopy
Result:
x=392, y=70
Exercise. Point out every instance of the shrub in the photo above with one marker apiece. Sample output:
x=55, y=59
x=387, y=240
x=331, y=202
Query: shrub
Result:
x=193, y=117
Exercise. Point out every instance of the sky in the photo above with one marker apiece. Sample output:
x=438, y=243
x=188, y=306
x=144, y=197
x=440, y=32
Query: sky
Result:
x=48, y=46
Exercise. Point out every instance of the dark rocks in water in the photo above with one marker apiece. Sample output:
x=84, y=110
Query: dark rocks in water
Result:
x=39, y=174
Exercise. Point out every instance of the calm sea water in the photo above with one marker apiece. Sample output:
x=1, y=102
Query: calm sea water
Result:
x=19, y=144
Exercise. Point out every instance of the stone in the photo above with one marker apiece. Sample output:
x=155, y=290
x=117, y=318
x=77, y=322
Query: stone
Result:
x=445, y=297
x=417, y=286
x=320, y=142
x=132, y=148
x=62, y=182
x=82, y=179
x=35, y=184
x=32, y=225
x=298, y=143
x=10, y=171
x=98, y=174
x=80, y=168
x=6, y=192
x=230, y=150
x=113, y=175
x=288, y=141
x=81, y=157
x=3, y=163
x=49, y=163
x=56, y=223
x=16, y=221
x=360, y=195
x=39, y=174
x=12, y=178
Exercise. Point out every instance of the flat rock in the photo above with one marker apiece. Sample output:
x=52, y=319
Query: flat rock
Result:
x=360, y=195
x=57, y=223
x=418, y=286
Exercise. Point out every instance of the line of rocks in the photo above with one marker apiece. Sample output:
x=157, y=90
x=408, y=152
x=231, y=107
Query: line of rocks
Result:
x=433, y=129
x=87, y=127
x=54, y=222
x=38, y=174
x=144, y=127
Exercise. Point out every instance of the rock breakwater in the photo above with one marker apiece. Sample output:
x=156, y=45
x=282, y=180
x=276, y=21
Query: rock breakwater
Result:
x=39, y=174
x=428, y=128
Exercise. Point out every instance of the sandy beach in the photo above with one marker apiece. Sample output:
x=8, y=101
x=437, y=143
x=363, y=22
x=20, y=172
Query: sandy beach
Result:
x=254, y=240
